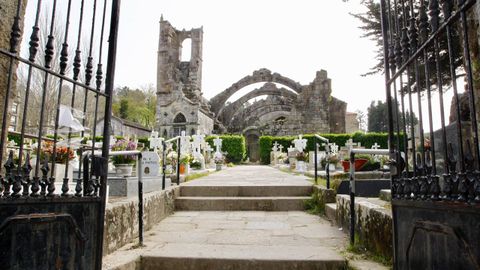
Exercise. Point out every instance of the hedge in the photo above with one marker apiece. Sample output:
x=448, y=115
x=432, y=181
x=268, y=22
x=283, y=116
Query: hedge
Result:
x=234, y=145
x=366, y=139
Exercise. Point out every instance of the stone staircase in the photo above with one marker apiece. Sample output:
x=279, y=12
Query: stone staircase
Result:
x=243, y=198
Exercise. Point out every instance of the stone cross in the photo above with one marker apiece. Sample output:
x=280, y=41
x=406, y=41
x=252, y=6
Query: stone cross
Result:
x=280, y=148
x=275, y=147
x=218, y=144
x=375, y=146
x=300, y=143
x=334, y=148
x=290, y=149
x=350, y=144
x=184, y=143
x=198, y=141
x=155, y=141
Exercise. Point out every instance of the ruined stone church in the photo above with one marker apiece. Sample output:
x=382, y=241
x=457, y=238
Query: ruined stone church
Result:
x=288, y=109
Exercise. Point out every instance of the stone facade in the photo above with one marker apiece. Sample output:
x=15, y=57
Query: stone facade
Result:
x=288, y=110
x=302, y=109
x=122, y=127
x=180, y=104
x=351, y=123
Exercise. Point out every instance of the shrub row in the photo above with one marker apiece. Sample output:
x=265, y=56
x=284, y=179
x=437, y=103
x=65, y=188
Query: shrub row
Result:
x=234, y=145
x=366, y=139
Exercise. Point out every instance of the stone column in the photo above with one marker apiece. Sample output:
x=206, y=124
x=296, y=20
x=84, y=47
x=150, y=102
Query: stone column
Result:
x=8, y=9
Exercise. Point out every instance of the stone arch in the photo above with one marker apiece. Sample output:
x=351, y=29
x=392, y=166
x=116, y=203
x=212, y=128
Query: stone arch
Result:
x=252, y=143
x=179, y=118
x=261, y=75
x=226, y=112
x=249, y=114
x=179, y=124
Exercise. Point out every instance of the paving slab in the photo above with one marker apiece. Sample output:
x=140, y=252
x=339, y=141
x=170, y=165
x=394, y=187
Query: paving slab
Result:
x=250, y=175
x=240, y=240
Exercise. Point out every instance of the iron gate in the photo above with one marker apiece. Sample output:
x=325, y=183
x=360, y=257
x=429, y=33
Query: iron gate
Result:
x=55, y=92
x=431, y=51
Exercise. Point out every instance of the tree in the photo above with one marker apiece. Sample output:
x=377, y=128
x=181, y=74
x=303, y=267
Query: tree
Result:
x=124, y=108
x=370, y=23
x=378, y=121
x=137, y=105
x=362, y=120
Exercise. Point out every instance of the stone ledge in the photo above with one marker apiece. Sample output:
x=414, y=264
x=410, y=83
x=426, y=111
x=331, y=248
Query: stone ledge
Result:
x=121, y=217
x=373, y=223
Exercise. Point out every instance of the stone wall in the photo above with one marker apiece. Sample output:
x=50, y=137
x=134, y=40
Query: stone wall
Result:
x=121, y=217
x=373, y=225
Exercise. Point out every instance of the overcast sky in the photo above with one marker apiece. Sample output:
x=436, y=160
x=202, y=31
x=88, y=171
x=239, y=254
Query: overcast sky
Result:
x=293, y=38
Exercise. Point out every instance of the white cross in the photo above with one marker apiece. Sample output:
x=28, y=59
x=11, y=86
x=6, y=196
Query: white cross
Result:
x=281, y=148
x=300, y=143
x=197, y=142
x=155, y=141
x=184, y=143
x=334, y=148
x=350, y=144
x=218, y=144
x=375, y=146
x=291, y=148
x=275, y=147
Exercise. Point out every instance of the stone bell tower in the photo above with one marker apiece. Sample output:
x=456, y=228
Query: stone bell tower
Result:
x=179, y=83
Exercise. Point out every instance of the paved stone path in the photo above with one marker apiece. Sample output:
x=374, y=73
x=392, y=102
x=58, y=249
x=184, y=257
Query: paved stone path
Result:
x=240, y=239
x=251, y=175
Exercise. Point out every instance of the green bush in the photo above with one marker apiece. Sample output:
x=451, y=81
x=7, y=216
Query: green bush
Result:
x=234, y=145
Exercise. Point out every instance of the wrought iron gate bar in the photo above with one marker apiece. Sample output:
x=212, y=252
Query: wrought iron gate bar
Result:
x=441, y=29
x=51, y=72
x=33, y=199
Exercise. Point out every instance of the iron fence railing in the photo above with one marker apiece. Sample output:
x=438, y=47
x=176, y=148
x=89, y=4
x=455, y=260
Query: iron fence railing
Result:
x=431, y=54
x=317, y=138
x=353, y=152
x=45, y=75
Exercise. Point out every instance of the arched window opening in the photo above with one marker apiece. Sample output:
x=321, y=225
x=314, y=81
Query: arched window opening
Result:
x=179, y=118
x=186, y=50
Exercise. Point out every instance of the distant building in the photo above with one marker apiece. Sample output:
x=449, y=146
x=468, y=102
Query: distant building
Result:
x=351, y=123
x=123, y=127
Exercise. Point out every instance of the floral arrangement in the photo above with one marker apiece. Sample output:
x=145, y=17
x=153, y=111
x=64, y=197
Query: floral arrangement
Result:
x=331, y=159
x=218, y=159
x=124, y=145
x=185, y=159
x=63, y=154
x=172, y=158
x=302, y=156
x=195, y=164
x=282, y=157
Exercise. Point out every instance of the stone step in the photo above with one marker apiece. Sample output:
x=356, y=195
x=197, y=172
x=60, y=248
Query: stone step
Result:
x=223, y=257
x=240, y=203
x=169, y=263
x=386, y=195
x=245, y=191
x=331, y=212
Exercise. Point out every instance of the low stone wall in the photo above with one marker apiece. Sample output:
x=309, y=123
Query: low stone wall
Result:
x=121, y=217
x=373, y=225
x=323, y=196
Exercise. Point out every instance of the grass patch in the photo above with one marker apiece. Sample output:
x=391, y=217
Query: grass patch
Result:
x=313, y=205
x=359, y=251
x=194, y=176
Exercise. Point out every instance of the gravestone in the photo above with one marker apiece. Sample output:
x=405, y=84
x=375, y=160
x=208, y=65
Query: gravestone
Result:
x=300, y=143
x=218, y=148
x=273, y=154
x=198, y=141
x=184, y=144
x=150, y=163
